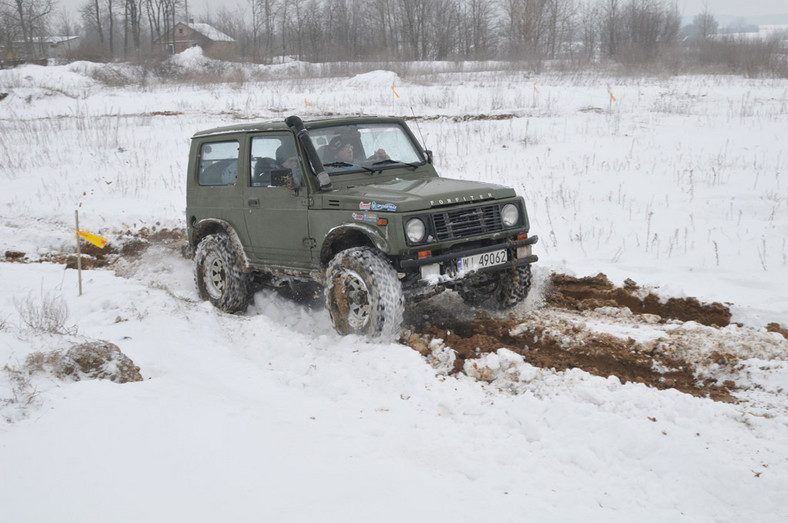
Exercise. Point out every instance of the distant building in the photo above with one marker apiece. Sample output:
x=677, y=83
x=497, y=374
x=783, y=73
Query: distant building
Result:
x=56, y=46
x=213, y=42
x=45, y=47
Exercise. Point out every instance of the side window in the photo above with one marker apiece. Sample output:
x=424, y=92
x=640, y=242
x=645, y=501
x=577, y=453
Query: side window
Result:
x=272, y=154
x=218, y=163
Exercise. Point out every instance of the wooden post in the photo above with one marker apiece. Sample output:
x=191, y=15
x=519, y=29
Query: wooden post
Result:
x=79, y=254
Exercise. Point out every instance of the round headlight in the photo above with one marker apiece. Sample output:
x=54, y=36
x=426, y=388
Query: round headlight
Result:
x=510, y=215
x=415, y=230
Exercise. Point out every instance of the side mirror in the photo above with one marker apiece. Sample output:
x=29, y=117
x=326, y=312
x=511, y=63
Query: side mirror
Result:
x=429, y=155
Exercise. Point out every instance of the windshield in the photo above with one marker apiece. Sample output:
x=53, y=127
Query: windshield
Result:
x=369, y=147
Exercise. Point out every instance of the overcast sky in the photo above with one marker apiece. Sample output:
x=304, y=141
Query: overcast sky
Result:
x=734, y=7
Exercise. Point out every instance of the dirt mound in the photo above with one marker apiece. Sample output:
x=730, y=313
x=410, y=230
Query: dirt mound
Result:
x=775, y=327
x=99, y=360
x=597, y=291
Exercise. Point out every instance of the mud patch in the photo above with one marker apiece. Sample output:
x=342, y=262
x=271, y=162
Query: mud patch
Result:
x=125, y=245
x=134, y=244
x=466, y=117
x=592, y=292
x=592, y=325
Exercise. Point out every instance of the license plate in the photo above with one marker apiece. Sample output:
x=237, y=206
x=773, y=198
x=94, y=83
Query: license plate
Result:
x=481, y=261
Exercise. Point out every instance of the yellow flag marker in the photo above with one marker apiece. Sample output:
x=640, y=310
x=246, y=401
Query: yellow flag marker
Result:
x=395, y=91
x=535, y=88
x=611, y=95
x=307, y=104
x=98, y=241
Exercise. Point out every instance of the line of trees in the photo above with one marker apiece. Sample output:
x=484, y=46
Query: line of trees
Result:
x=330, y=30
x=127, y=28
x=630, y=32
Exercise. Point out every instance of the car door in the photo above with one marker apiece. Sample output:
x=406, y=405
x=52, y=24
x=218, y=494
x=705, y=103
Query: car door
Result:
x=215, y=189
x=276, y=215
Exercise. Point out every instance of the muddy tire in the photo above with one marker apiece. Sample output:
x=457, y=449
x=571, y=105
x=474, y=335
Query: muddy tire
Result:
x=513, y=287
x=363, y=294
x=220, y=276
x=503, y=290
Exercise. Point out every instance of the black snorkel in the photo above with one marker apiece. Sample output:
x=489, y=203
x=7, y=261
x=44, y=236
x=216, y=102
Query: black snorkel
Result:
x=297, y=126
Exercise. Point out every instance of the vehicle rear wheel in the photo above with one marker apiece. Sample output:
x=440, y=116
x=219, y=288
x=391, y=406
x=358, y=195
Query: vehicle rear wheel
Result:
x=363, y=294
x=220, y=276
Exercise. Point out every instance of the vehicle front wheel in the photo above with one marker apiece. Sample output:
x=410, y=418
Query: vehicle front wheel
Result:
x=513, y=286
x=501, y=290
x=363, y=294
x=219, y=274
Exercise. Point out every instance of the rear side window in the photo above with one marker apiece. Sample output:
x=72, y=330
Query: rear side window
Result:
x=218, y=163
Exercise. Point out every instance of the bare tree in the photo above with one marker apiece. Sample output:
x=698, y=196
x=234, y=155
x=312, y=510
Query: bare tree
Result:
x=705, y=24
x=315, y=30
x=649, y=26
x=296, y=27
x=162, y=18
x=98, y=15
x=384, y=27
x=132, y=17
x=560, y=16
x=30, y=17
x=8, y=29
x=268, y=10
x=475, y=28
x=66, y=25
x=256, y=23
x=111, y=18
x=611, y=27
x=527, y=28
x=441, y=34
x=91, y=16
x=590, y=30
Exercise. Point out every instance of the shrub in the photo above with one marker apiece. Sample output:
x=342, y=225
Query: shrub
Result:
x=48, y=314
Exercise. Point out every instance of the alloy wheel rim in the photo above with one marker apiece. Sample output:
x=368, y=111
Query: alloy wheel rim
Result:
x=357, y=295
x=215, y=277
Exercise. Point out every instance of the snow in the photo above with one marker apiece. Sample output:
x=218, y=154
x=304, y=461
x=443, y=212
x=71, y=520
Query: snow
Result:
x=211, y=32
x=270, y=415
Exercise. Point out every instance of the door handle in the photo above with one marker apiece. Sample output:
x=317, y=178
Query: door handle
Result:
x=254, y=203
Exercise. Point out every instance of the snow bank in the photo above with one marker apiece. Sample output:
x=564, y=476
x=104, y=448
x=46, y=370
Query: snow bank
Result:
x=372, y=80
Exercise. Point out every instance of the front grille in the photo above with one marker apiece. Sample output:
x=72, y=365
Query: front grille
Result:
x=464, y=223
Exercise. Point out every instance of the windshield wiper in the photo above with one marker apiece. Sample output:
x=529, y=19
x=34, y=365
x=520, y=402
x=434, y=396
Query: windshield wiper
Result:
x=390, y=161
x=345, y=164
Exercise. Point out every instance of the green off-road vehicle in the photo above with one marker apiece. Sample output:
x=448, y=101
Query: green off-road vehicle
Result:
x=353, y=206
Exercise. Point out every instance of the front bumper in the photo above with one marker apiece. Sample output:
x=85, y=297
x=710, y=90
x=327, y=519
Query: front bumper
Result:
x=512, y=246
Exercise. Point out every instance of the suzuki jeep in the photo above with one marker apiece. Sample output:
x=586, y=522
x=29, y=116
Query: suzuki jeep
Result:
x=353, y=206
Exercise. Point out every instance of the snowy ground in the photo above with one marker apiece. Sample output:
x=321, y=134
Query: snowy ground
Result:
x=678, y=184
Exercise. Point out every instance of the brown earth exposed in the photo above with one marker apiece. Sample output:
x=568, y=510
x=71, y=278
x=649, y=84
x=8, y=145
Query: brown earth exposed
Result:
x=597, y=291
x=557, y=337
x=126, y=245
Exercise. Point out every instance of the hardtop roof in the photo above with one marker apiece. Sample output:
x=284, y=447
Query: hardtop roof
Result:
x=279, y=125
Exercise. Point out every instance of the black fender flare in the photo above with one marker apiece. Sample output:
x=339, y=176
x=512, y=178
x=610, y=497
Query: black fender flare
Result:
x=351, y=235
x=203, y=228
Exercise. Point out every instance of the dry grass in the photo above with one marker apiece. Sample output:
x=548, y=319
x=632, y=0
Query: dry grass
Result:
x=46, y=314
